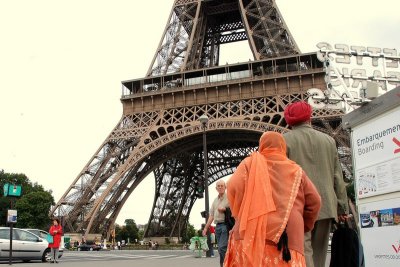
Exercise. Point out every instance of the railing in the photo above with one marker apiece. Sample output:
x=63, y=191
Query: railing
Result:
x=243, y=71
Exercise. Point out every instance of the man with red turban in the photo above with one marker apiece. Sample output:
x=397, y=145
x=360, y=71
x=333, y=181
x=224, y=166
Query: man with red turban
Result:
x=316, y=153
x=297, y=113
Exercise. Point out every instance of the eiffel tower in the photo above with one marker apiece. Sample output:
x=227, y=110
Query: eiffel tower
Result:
x=159, y=131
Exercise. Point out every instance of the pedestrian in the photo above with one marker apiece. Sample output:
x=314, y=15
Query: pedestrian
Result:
x=274, y=203
x=217, y=215
x=119, y=245
x=150, y=244
x=56, y=231
x=316, y=153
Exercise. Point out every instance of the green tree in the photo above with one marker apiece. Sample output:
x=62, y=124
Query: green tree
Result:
x=33, y=206
x=132, y=230
x=140, y=235
x=129, y=231
x=4, y=206
x=188, y=233
x=120, y=233
x=33, y=210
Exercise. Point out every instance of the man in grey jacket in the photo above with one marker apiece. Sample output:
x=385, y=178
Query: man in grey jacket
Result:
x=316, y=153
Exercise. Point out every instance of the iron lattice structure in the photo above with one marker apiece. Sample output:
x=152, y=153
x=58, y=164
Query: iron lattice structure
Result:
x=159, y=131
x=197, y=29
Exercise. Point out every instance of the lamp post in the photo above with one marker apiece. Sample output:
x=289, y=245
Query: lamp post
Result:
x=204, y=122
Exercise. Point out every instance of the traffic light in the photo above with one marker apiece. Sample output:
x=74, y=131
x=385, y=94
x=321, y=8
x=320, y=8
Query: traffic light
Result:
x=199, y=189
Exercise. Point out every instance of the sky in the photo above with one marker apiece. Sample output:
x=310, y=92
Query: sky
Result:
x=62, y=63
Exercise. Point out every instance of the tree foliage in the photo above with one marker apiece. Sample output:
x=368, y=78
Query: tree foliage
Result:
x=33, y=206
x=141, y=235
x=33, y=210
x=129, y=231
x=188, y=233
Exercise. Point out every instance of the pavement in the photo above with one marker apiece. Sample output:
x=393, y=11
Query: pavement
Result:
x=132, y=258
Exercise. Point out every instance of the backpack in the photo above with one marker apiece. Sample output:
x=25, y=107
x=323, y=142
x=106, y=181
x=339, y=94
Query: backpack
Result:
x=346, y=248
x=229, y=220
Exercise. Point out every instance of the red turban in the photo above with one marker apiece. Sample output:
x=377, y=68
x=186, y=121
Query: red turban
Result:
x=297, y=112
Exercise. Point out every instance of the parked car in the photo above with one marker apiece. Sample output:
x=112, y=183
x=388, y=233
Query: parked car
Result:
x=89, y=246
x=26, y=246
x=366, y=221
x=42, y=234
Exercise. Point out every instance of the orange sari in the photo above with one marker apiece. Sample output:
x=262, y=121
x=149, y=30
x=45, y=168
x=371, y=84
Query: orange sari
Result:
x=271, y=257
x=261, y=215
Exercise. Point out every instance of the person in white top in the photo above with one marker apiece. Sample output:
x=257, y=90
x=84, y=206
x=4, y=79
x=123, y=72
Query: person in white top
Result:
x=217, y=215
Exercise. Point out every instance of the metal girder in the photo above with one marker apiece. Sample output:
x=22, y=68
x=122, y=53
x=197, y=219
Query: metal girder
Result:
x=267, y=31
x=196, y=29
x=177, y=38
x=177, y=177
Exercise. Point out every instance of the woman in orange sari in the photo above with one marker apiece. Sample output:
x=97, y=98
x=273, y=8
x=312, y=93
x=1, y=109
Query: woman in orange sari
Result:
x=274, y=204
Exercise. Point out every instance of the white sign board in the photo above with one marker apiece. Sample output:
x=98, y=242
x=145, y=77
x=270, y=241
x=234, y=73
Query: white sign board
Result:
x=376, y=152
x=376, y=156
x=12, y=216
x=380, y=232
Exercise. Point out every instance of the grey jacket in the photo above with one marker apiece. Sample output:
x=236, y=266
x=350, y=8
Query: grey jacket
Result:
x=316, y=153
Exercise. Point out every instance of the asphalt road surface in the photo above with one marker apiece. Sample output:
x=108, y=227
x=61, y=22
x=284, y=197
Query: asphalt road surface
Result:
x=129, y=258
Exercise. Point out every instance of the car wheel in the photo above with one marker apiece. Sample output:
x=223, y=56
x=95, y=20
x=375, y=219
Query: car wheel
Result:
x=46, y=255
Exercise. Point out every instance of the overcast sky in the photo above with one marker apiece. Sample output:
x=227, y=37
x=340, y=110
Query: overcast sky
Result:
x=62, y=63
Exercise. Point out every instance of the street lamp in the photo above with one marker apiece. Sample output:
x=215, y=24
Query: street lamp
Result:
x=204, y=122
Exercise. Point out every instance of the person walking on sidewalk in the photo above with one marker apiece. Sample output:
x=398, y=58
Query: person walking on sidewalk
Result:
x=217, y=215
x=316, y=153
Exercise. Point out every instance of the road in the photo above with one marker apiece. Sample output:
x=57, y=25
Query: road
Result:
x=129, y=258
